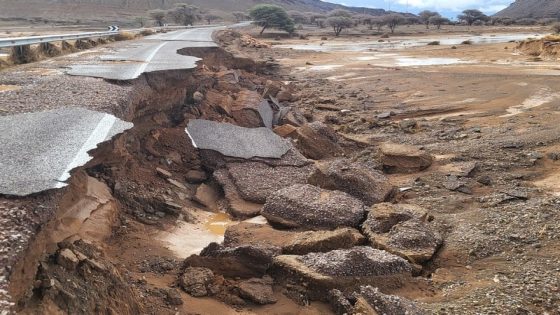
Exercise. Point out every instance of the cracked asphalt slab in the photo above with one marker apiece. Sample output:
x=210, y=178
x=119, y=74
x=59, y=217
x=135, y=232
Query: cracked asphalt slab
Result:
x=151, y=54
x=235, y=141
x=40, y=149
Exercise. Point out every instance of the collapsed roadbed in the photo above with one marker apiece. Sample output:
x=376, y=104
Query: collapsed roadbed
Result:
x=226, y=197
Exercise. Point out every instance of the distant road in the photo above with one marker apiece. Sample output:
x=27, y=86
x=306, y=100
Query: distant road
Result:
x=153, y=53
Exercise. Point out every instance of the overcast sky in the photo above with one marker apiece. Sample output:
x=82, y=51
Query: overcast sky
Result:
x=449, y=8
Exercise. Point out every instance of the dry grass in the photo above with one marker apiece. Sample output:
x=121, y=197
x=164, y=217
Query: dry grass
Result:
x=49, y=50
x=124, y=36
x=147, y=32
x=23, y=54
x=552, y=38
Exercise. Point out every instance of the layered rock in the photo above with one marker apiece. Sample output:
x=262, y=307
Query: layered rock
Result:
x=345, y=270
x=291, y=242
x=370, y=300
x=398, y=158
x=311, y=207
x=403, y=230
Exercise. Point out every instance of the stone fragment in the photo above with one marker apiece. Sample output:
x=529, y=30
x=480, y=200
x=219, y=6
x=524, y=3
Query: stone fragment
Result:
x=195, y=176
x=236, y=205
x=256, y=181
x=163, y=173
x=368, y=185
x=403, y=230
x=245, y=261
x=196, y=281
x=207, y=196
x=177, y=184
x=286, y=131
x=289, y=241
x=345, y=269
x=257, y=290
x=370, y=300
x=312, y=207
x=67, y=259
x=398, y=158
x=173, y=297
x=318, y=141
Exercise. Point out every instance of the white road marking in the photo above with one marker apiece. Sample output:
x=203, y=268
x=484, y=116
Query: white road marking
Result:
x=98, y=135
x=146, y=62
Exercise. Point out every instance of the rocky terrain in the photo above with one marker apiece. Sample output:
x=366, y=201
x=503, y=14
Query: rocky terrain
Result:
x=100, y=11
x=531, y=9
x=340, y=183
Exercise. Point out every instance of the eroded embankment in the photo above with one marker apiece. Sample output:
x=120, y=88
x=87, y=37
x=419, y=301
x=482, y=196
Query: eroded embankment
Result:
x=111, y=244
x=546, y=48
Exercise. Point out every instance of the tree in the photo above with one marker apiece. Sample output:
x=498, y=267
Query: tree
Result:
x=185, y=14
x=158, y=16
x=240, y=16
x=339, y=20
x=210, y=17
x=438, y=21
x=271, y=16
x=141, y=20
x=472, y=16
x=299, y=17
x=426, y=15
x=366, y=19
x=339, y=23
x=379, y=22
x=393, y=20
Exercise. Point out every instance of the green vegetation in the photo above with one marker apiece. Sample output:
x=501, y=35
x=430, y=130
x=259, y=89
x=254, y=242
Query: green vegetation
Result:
x=340, y=20
x=393, y=20
x=271, y=16
x=185, y=14
x=473, y=16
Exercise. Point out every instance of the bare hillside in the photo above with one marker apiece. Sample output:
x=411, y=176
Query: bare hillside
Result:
x=532, y=9
x=122, y=10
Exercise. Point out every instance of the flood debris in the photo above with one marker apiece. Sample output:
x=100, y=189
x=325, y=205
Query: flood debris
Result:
x=234, y=141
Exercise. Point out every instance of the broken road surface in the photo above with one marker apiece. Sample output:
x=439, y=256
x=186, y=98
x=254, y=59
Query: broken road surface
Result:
x=40, y=149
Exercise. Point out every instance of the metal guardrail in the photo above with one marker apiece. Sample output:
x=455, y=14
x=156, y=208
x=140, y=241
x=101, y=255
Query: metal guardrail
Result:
x=31, y=40
x=22, y=41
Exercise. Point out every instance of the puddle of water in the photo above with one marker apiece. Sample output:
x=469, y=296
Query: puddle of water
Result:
x=540, y=98
x=6, y=88
x=400, y=43
x=320, y=68
x=218, y=223
x=414, y=62
x=187, y=239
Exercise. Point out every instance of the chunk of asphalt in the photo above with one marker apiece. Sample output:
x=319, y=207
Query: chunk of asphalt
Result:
x=40, y=149
x=235, y=141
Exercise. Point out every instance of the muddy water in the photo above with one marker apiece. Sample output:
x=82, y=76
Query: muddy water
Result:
x=404, y=43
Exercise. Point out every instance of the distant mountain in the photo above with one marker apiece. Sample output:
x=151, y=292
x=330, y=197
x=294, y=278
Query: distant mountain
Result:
x=121, y=10
x=532, y=9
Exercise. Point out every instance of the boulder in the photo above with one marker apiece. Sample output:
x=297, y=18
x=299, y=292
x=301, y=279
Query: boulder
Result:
x=257, y=290
x=256, y=181
x=403, y=230
x=398, y=158
x=345, y=269
x=311, y=207
x=368, y=185
x=245, y=261
x=236, y=205
x=222, y=103
x=196, y=281
x=318, y=141
x=289, y=241
x=207, y=196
